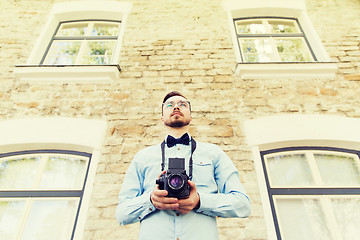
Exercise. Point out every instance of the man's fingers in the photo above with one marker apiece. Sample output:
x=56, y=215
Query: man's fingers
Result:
x=165, y=203
x=165, y=200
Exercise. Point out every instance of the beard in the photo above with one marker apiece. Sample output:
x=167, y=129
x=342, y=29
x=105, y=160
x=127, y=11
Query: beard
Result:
x=177, y=123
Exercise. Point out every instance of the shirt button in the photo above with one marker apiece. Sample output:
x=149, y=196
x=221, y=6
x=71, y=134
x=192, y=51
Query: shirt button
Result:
x=177, y=214
x=150, y=209
x=179, y=149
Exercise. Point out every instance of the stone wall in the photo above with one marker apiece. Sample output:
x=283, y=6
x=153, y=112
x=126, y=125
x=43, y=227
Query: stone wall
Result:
x=178, y=45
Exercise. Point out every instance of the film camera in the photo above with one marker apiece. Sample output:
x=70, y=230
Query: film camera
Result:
x=175, y=180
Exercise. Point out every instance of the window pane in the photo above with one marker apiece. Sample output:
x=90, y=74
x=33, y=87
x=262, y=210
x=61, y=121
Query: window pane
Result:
x=18, y=173
x=347, y=212
x=63, y=52
x=289, y=170
x=51, y=218
x=64, y=173
x=336, y=170
x=99, y=52
x=283, y=26
x=72, y=29
x=301, y=219
x=105, y=29
x=256, y=50
x=10, y=214
x=293, y=50
x=250, y=27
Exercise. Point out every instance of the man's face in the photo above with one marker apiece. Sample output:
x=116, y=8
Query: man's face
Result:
x=176, y=112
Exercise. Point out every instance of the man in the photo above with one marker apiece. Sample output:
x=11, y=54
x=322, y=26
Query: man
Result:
x=216, y=190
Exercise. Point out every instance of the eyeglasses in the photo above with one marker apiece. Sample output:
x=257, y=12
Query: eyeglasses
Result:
x=180, y=104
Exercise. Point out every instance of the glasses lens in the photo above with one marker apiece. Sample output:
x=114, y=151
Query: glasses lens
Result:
x=170, y=104
x=180, y=104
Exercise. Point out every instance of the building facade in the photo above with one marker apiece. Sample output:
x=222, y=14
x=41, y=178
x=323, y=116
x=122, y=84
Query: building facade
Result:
x=274, y=84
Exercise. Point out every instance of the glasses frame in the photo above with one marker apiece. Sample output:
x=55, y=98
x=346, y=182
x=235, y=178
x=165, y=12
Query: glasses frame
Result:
x=162, y=106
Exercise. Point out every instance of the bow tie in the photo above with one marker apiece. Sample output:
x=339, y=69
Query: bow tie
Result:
x=171, y=141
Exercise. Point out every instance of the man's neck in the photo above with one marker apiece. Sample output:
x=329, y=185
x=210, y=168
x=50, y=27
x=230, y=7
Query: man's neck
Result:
x=177, y=132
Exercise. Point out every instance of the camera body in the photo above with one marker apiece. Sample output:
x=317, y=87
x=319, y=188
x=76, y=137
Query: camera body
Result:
x=175, y=180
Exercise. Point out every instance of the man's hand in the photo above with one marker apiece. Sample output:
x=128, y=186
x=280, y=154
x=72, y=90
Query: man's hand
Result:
x=161, y=202
x=188, y=204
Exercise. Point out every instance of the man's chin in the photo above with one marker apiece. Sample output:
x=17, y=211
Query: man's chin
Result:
x=177, y=124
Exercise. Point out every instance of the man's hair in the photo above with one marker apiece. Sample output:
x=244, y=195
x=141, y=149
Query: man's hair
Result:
x=172, y=94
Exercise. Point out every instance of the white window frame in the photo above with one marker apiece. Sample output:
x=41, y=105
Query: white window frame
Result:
x=322, y=68
x=83, y=39
x=63, y=134
x=291, y=131
x=32, y=71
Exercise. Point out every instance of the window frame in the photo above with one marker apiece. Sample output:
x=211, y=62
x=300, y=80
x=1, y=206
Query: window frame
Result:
x=34, y=72
x=273, y=35
x=58, y=134
x=47, y=194
x=83, y=39
x=322, y=68
x=290, y=131
x=305, y=192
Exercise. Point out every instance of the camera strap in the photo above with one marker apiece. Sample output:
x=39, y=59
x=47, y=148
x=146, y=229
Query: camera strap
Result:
x=193, y=147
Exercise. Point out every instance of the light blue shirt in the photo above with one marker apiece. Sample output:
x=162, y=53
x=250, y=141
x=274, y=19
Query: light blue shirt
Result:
x=217, y=183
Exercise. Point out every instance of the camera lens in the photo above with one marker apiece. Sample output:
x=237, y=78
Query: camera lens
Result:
x=176, y=182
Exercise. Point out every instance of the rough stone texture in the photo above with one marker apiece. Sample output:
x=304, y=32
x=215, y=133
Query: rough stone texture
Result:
x=183, y=45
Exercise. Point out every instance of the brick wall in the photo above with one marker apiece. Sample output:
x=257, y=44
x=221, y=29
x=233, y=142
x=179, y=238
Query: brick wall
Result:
x=178, y=45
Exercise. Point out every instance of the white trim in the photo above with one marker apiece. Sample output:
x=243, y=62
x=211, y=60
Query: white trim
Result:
x=70, y=11
x=314, y=70
x=59, y=132
x=299, y=129
x=280, y=8
x=67, y=74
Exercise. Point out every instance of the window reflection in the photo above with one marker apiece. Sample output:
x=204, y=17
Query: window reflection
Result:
x=63, y=173
x=302, y=219
x=289, y=170
x=18, y=173
x=10, y=217
x=50, y=218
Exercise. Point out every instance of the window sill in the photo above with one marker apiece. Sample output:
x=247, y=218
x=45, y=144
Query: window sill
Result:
x=67, y=73
x=286, y=70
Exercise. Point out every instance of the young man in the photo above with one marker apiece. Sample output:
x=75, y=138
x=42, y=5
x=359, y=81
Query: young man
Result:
x=215, y=188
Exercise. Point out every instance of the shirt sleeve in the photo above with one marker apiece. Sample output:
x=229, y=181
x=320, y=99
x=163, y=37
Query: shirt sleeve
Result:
x=134, y=203
x=231, y=200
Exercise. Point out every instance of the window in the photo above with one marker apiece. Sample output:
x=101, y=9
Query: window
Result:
x=308, y=172
x=47, y=171
x=272, y=40
x=314, y=192
x=276, y=39
x=79, y=43
x=83, y=42
x=41, y=193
